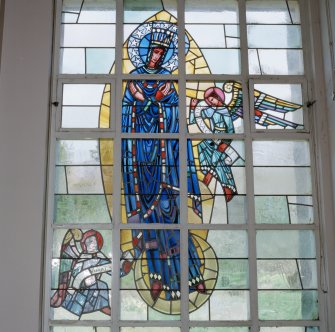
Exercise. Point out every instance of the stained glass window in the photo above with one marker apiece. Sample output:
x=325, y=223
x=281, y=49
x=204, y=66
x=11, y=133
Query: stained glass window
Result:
x=181, y=169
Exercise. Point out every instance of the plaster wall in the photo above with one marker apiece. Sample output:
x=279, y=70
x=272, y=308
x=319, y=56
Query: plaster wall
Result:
x=24, y=93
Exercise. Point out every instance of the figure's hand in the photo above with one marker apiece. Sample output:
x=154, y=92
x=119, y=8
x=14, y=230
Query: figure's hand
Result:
x=136, y=91
x=163, y=91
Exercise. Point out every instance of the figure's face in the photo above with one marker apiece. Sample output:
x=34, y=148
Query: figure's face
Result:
x=91, y=245
x=156, y=55
x=214, y=101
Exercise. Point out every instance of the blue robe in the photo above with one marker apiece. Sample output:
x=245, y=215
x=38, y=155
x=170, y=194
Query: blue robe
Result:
x=151, y=180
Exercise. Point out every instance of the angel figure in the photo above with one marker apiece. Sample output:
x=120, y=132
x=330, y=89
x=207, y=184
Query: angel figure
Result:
x=82, y=265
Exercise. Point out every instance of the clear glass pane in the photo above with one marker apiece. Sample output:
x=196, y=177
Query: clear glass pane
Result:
x=274, y=36
x=272, y=12
x=80, y=117
x=82, y=94
x=72, y=60
x=213, y=11
x=281, y=153
x=99, y=60
x=282, y=181
x=230, y=63
x=275, y=62
x=285, y=244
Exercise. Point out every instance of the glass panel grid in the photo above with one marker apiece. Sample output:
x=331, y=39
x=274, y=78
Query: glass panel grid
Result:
x=237, y=276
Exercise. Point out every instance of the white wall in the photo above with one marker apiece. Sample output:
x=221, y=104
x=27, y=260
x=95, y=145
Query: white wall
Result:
x=24, y=91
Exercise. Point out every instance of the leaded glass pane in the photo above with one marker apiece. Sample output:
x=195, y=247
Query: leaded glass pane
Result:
x=278, y=106
x=87, y=36
x=274, y=37
x=214, y=107
x=216, y=182
x=80, y=329
x=86, y=106
x=150, y=274
x=212, y=30
x=223, y=280
x=81, y=274
x=287, y=275
x=219, y=329
x=151, y=46
x=83, y=182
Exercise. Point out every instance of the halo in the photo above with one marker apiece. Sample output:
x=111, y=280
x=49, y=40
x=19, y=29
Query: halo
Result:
x=209, y=270
x=139, y=41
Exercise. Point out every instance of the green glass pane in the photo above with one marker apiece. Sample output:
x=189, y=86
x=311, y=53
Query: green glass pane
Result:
x=231, y=65
x=285, y=244
x=237, y=210
x=150, y=329
x=224, y=243
x=271, y=210
x=99, y=60
x=81, y=209
x=139, y=11
x=233, y=274
x=77, y=152
x=219, y=329
x=60, y=181
x=290, y=329
x=279, y=274
x=80, y=329
x=288, y=305
x=84, y=180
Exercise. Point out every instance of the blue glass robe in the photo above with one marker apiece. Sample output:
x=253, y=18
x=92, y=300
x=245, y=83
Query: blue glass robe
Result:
x=151, y=180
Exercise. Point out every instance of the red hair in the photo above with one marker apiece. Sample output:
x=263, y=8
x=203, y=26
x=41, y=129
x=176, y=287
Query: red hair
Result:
x=90, y=233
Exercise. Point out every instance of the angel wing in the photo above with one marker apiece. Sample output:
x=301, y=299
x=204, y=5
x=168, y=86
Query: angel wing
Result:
x=262, y=103
x=68, y=256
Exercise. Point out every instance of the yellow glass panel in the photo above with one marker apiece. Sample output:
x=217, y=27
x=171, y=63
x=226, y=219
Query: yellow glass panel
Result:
x=107, y=173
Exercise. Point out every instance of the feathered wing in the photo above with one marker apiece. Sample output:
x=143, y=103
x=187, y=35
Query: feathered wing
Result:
x=68, y=256
x=262, y=103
